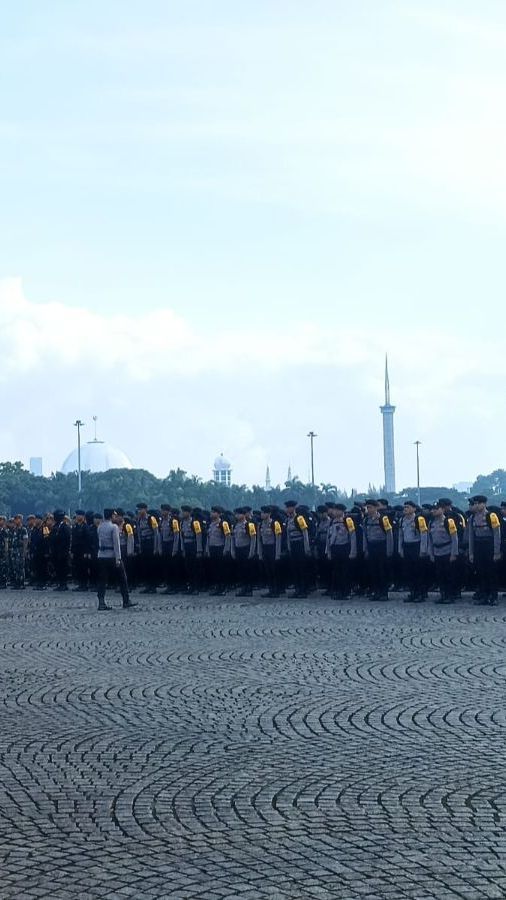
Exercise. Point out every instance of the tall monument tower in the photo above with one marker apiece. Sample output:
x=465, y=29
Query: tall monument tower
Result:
x=387, y=411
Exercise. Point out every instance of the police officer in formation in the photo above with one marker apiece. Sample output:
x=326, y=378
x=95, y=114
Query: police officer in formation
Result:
x=368, y=550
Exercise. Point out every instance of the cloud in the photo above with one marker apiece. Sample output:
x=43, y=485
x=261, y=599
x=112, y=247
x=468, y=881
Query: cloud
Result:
x=173, y=396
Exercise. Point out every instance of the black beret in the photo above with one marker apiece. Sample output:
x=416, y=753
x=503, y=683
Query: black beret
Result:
x=108, y=512
x=479, y=498
x=120, y=511
x=186, y=508
x=239, y=511
x=410, y=503
x=141, y=505
x=217, y=509
x=80, y=512
x=321, y=508
x=445, y=501
x=59, y=514
x=165, y=507
x=340, y=506
x=291, y=504
x=371, y=502
x=266, y=509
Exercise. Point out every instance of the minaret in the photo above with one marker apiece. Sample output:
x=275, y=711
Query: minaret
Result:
x=267, y=479
x=387, y=411
x=289, y=473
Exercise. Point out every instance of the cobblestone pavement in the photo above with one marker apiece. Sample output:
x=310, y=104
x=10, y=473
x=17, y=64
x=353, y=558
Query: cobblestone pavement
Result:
x=200, y=748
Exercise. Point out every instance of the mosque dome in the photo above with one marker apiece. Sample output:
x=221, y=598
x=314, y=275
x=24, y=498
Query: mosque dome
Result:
x=96, y=456
x=221, y=464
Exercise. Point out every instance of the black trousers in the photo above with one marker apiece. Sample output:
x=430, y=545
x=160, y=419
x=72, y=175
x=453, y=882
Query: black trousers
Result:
x=270, y=568
x=80, y=569
x=243, y=568
x=216, y=568
x=168, y=564
x=61, y=570
x=485, y=567
x=377, y=568
x=147, y=567
x=192, y=567
x=414, y=569
x=108, y=573
x=341, y=570
x=323, y=568
x=444, y=577
x=299, y=564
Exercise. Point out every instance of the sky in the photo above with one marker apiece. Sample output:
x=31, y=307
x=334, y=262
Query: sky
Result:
x=217, y=217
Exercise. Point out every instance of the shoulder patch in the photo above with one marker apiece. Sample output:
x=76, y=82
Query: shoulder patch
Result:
x=452, y=528
x=251, y=529
x=422, y=525
x=350, y=524
x=387, y=525
x=494, y=520
x=301, y=522
x=128, y=529
x=154, y=523
x=226, y=529
x=197, y=527
x=175, y=526
x=277, y=528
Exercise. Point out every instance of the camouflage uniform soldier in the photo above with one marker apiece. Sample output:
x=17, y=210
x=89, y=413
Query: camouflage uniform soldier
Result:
x=4, y=552
x=19, y=549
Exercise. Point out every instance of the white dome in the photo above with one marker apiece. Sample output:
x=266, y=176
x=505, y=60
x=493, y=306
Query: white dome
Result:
x=221, y=464
x=96, y=456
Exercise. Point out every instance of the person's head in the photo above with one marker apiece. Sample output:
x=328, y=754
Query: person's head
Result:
x=478, y=503
x=108, y=514
x=382, y=503
x=290, y=507
x=216, y=513
x=240, y=513
x=165, y=510
x=437, y=509
x=3, y=521
x=18, y=520
x=409, y=508
x=445, y=503
x=339, y=510
x=186, y=511
x=80, y=516
x=142, y=510
x=371, y=507
x=265, y=513
x=97, y=519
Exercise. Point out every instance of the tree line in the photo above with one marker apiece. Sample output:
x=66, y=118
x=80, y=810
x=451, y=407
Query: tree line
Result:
x=22, y=492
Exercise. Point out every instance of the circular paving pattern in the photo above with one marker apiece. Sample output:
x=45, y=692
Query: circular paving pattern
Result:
x=288, y=749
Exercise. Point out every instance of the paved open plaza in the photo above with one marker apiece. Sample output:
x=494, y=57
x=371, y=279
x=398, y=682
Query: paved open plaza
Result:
x=225, y=748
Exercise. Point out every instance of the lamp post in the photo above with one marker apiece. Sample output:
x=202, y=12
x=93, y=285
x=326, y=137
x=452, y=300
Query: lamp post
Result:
x=311, y=437
x=78, y=424
x=419, y=498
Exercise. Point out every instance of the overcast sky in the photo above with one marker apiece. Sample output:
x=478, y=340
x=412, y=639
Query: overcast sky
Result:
x=216, y=217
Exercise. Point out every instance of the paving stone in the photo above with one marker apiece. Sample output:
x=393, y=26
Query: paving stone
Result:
x=214, y=749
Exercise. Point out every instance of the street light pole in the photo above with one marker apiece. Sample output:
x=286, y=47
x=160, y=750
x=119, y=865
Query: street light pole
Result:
x=78, y=424
x=311, y=437
x=419, y=498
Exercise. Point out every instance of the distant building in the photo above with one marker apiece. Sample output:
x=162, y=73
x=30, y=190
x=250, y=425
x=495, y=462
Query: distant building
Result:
x=267, y=479
x=222, y=471
x=36, y=465
x=464, y=487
